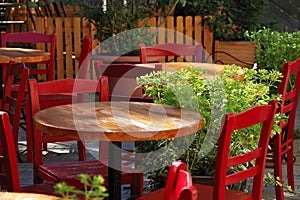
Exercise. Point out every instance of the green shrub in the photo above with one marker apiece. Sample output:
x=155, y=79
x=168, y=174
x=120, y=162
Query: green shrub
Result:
x=274, y=48
x=211, y=97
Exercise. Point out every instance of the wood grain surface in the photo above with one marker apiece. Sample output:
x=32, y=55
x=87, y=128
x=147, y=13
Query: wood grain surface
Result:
x=118, y=121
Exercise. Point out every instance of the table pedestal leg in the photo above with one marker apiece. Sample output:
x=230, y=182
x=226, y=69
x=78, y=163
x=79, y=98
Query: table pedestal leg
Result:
x=114, y=174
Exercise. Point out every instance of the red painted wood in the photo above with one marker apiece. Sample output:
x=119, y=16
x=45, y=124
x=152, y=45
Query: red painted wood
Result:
x=13, y=102
x=32, y=37
x=259, y=114
x=170, y=49
x=84, y=58
x=283, y=143
x=179, y=185
x=9, y=177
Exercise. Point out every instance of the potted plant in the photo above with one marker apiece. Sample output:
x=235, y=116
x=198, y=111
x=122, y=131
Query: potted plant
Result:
x=120, y=26
x=212, y=98
x=229, y=20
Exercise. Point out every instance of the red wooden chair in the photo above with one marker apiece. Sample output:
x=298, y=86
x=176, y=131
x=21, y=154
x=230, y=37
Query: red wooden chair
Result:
x=38, y=39
x=171, y=49
x=68, y=171
x=64, y=99
x=283, y=143
x=11, y=102
x=179, y=185
x=259, y=114
x=9, y=176
x=84, y=58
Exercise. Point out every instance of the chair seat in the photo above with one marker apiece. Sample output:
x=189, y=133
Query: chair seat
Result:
x=206, y=192
x=68, y=172
x=45, y=188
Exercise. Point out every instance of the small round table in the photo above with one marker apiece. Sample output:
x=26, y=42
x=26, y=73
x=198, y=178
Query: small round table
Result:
x=19, y=55
x=117, y=122
x=22, y=55
x=22, y=196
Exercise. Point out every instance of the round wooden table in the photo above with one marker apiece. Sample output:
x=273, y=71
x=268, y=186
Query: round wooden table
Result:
x=26, y=196
x=209, y=68
x=117, y=122
x=22, y=55
x=19, y=55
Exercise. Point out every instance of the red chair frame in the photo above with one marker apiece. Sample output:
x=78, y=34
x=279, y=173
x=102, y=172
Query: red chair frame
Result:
x=65, y=99
x=170, y=49
x=9, y=176
x=15, y=71
x=179, y=185
x=283, y=143
x=258, y=114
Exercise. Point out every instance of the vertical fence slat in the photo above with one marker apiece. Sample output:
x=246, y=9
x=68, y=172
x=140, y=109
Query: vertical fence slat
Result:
x=179, y=33
x=171, y=29
x=60, y=66
x=41, y=29
x=198, y=29
x=189, y=29
x=77, y=43
x=69, y=47
x=161, y=24
x=208, y=39
x=170, y=33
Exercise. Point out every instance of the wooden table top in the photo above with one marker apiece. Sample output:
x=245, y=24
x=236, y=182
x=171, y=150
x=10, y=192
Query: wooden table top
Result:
x=118, y=121
x=24, y=196
x=22, y=55
x=211, y=69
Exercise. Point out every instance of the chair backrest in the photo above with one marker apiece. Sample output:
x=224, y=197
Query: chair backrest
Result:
x=179, y=183
x=71, y=87
x=289, y=89
x=122, y=80
x=84, y=58
x=45, y=42
x=9, y=176
x=13, y=102
x=171, y=49
x=258, y=115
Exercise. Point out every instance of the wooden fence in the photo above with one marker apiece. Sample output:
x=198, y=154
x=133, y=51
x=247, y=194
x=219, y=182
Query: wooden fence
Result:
x=71, y=30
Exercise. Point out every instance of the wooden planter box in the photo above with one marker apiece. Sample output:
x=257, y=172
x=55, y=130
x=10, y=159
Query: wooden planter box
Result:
x=241, y=53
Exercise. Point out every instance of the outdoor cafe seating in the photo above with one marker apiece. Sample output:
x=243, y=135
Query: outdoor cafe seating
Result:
x=108, y=80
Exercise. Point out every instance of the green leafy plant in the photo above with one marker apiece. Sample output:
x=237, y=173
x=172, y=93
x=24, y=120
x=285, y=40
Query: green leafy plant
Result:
x=270, y=179
x=211, y=97
x=117, y=17
x=274, y=48
x=93, y=188
x=229, y=20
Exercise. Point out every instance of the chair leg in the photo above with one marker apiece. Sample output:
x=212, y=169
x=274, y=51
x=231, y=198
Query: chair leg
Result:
x=28, y=133
x=278, y=166
x=136, y=188
x=81, y=151
x=290, y=166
